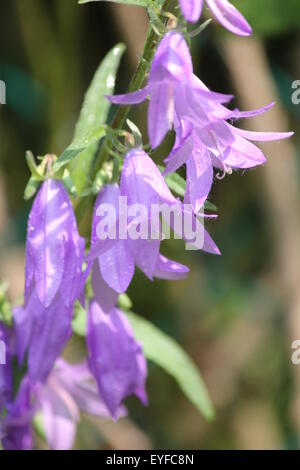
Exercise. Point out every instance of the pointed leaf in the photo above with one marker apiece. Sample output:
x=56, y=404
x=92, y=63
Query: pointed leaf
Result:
x=94, y=113
x=166, y=353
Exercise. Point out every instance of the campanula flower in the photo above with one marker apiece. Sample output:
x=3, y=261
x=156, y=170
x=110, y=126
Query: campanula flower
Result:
x=67, y=390
x=53, y=279
x=219, y=145
x=172, y=88
x=141, y=183
x=224, y=11
x=115, y=357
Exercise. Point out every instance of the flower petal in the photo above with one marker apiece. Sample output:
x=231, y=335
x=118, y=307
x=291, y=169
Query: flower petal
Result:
x=172, y=61
x=199, y=175
x=48, y=229
x=117, y=267
x=24, y=325
x=145, y=253
x=169, y=269
x=191, y=9
x=60, y=416
x=103, y=293
x=160, y=113
x=142, y=182
x=263, y=136
x=115, y=358
x=80, y=384
x=52, y=329
x=243, y=154
x=229, y=17
x=183, y=147
x=237, y=114
x=135, y=97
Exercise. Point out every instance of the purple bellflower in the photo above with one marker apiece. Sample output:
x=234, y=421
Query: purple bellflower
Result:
x=224, y=12
x=218, y=145
x=115, y=357
x=53, y=280
x=172, y=90
x=67, y=390
x=203, y=137
x=141, y=182
x=144, y=187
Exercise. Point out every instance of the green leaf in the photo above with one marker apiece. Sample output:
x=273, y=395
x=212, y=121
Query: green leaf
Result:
x=140, y=3
x=209, y=206
x=5, y=307
x=35, y=171
x=90, y=127
x=124, y=302
x=94, y=111
x=166, y=353
x=39, y=426
x=176, y=183
x=78, y=145
x=31, y=188
x=79, y=323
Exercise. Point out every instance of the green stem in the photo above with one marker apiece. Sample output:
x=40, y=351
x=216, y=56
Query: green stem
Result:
x=136, y=83
x=123, y=111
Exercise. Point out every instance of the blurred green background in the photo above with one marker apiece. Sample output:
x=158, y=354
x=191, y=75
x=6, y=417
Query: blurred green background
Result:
x=236, y=315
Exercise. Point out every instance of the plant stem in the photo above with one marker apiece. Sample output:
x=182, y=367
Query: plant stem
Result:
x=136, y=83
x=123, y=111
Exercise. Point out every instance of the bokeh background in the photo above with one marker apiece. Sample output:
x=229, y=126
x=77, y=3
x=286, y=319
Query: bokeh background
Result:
x=236, y=315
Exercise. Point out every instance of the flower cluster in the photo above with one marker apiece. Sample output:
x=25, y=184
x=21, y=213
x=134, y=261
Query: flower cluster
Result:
x=57, y=268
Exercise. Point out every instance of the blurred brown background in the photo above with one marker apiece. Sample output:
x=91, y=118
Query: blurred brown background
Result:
x=236, y=315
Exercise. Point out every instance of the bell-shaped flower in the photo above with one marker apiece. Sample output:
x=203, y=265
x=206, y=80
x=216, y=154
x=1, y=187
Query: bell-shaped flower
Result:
x=224, y=11
x=115, y=357
x=53, y=279
x=68, y=389
x=129, y=207
x=219, y=145
x=172, y=88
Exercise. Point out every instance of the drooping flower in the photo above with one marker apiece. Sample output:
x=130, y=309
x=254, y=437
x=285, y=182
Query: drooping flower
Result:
x=203, y=137
x=117, y=264
x=146, y=194
x=53, y=279
x=218, y=145
x=172, y=88
x=224, y=11
x=67, y=390
x=115, y=357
